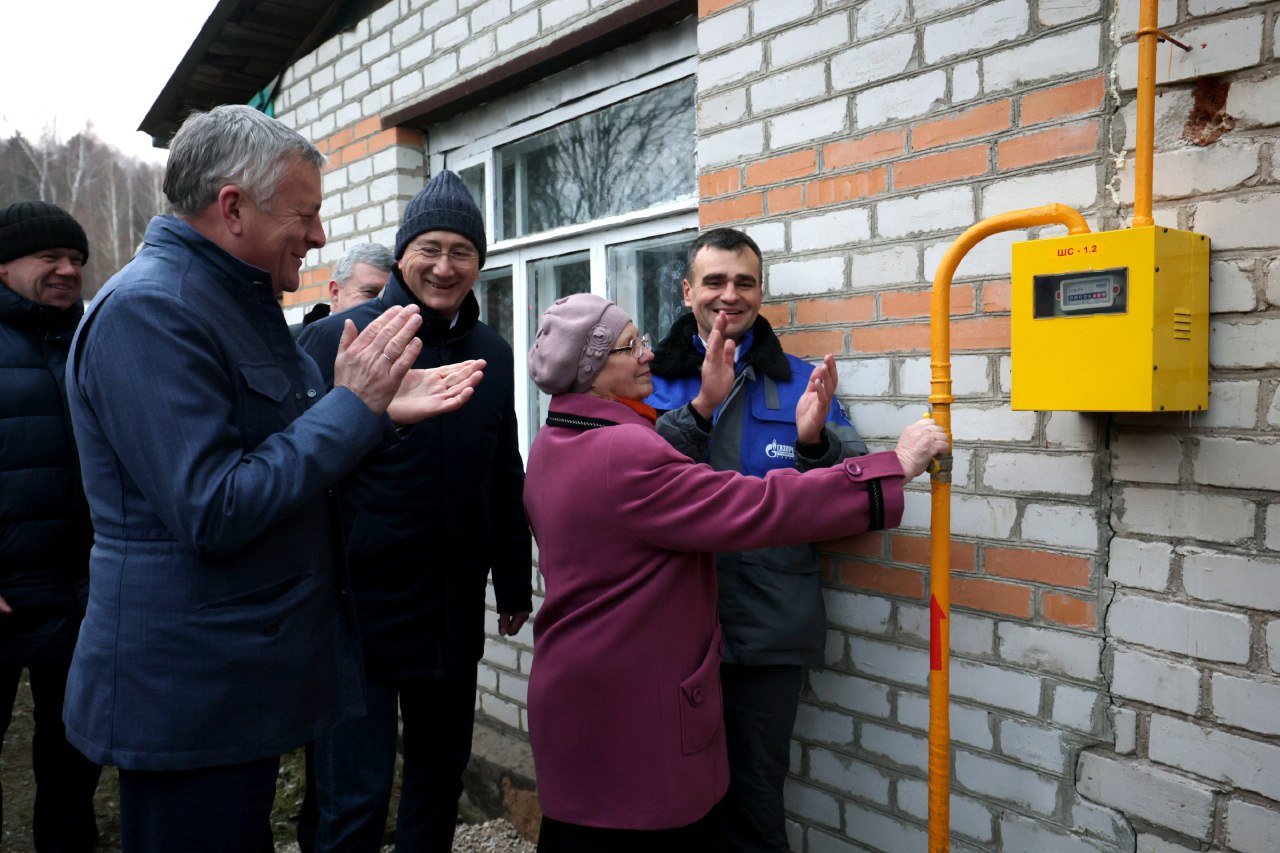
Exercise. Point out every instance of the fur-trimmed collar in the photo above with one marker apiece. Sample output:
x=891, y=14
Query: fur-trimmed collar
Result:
x=676, y=356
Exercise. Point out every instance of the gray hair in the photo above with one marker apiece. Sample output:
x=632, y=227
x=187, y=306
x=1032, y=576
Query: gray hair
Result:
x=231, y=144
x=373, y=254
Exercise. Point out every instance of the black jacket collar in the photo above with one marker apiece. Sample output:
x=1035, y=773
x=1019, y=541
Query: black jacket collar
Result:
x=676, y=356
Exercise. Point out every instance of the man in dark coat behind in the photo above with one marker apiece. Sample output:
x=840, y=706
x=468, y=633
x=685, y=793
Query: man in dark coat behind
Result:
x=425, y=523
x=45, y=534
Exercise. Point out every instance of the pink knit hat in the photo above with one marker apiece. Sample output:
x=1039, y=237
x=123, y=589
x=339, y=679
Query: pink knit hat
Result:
x=574, y=339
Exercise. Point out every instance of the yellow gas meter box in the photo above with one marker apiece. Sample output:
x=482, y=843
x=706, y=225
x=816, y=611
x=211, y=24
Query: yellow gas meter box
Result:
x=1116, y=321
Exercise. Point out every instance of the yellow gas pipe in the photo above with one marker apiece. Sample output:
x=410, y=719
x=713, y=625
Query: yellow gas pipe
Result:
x=940, y=530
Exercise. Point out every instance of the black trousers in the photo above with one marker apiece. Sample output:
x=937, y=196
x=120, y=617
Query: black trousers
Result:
x=760, y=704
x=65, y=780
x=702, y=836
x=209, y=810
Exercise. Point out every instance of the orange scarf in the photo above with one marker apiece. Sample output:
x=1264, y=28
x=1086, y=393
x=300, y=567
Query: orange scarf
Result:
x=640, y=408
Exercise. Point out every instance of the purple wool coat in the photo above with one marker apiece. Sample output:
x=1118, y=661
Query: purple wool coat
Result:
x=624, y=695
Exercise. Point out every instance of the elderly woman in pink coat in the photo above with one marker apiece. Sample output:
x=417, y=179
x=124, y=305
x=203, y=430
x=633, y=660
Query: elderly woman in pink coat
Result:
x=624, y=696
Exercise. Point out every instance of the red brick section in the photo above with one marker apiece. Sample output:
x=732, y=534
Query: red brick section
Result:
x=1069, y=99
x=733, y=209
x=991, y=596
x=916, y=551
x=891, y=338
x=305, y=295
x=363, y=138
x=979, y=121
x=997, y=297
x=1068, y=610
x=798, y=164
x=1042, y=566
x=862, y=545
x=778, y=314
x=908, y=583
x=708, y=7
x=842, y=188
x=980, y=333
x=394, y=136
x=783, y=199
x=1047, y=145
x=814, y=344
x=719, y=183
x=943, y=167
x=853, y=309
x=906, y=304
x=876, y=146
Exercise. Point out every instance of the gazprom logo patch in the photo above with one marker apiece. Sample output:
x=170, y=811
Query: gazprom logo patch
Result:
x=774, y=450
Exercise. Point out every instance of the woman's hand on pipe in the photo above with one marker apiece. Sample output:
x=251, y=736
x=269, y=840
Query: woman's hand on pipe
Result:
x=919, y=443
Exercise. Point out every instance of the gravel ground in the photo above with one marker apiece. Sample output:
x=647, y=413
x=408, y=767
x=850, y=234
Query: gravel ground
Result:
x=495, y=836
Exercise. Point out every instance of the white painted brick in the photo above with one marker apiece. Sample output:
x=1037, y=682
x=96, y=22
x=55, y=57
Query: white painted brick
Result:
x=769, y=15
x=1252, y=828
x=965, y=82
x=355, y=85
x=514, y=687
x=995, y=686
x=1244, y=762
x=1240, y=222
x=789, y=88
x=558, y=12
x=498, y=709
x=1191, y=171
x=1074, y=655
x=1006, y=782
x=479, y=49
x=417, y=52
x=1035, y=744
x=407, y=85
x=1232, y=288
x=969, y=726
x=1046, y=58
x=1244, y=344
x=830, y=230
x=1155, y=844
x=1020, y=833
x=518, y=30
x=1231, y=404
x=872, y=61
x=1145, y=458
x=917, y=509
x=877, y=17
x=1125, y=723
x=813, y=275
x=969, y=817
x=730, y=67
x=1273, y=645
x=1248, y=581
x=1247, y=703
x=849, y=776
x=1156, y=681
x=890, y=661
x=857, y=695
x=1050, y=13
x=1163, y=798
x=728, y=28
x=484, y=15
x=821, y=842
x=771, y=237
x=730, y=145
x=501, y=654
x=407, y=29
x=1144, y=565
x=812, y=803
x=718, y=110
x=1161, y=512
x=1077, y=187
x=800, y=43
x=1254, y=103
x=992, y=23
x=895, y=265
x=1273, y=412
x=1059, y=473
x=833, y=652
x=810, y=123
x=1177, y=628
x=968, y=376
x=814, y=723
x=868, y=614
x=901, y=748
x=885, y=421
x=970, y=635
x=384, y=70
x=1239, y=464
x=901, y=99
x=1063, y=525
x=928, y=211
x=1107, y=825
x=1071, y=430
x=1221, y=46
x=929, y=8
x=863, y=377
x=982, y=517
x=878, y=831
x=486, y=677
x=1074, y=707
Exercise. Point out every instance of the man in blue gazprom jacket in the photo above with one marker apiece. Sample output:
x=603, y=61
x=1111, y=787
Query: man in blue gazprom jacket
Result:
x=219, y=633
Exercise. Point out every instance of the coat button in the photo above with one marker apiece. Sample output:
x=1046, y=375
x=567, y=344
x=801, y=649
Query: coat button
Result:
x=855, y=469
x=696, y=695
x=311, y=392
x=297, y=395
x=271, y=629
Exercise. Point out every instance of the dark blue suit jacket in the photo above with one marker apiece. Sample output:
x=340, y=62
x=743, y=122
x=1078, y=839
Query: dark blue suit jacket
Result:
x=219, y=628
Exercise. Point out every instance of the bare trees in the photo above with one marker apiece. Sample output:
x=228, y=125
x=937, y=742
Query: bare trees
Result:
x=111, y=194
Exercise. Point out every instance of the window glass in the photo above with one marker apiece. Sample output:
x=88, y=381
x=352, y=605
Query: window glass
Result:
x=550, y=279
x=497, y=310
x=645, y=279
x=473, y=180
x=628, y=156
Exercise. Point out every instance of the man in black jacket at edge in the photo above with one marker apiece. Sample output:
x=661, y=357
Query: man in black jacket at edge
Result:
x=45, y=533
x=425, y=523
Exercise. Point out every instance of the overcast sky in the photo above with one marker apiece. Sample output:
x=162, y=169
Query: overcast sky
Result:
x=70, y=61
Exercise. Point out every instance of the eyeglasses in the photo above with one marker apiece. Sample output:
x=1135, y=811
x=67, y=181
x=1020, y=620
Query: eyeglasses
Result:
x=462, y=257
x=636, y=346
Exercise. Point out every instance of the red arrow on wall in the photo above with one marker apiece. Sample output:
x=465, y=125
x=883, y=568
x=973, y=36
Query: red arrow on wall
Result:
x=936, y=615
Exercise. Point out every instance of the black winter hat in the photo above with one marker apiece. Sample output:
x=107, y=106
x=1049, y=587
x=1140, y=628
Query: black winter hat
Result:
x=444, y=204
x=27, y=227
